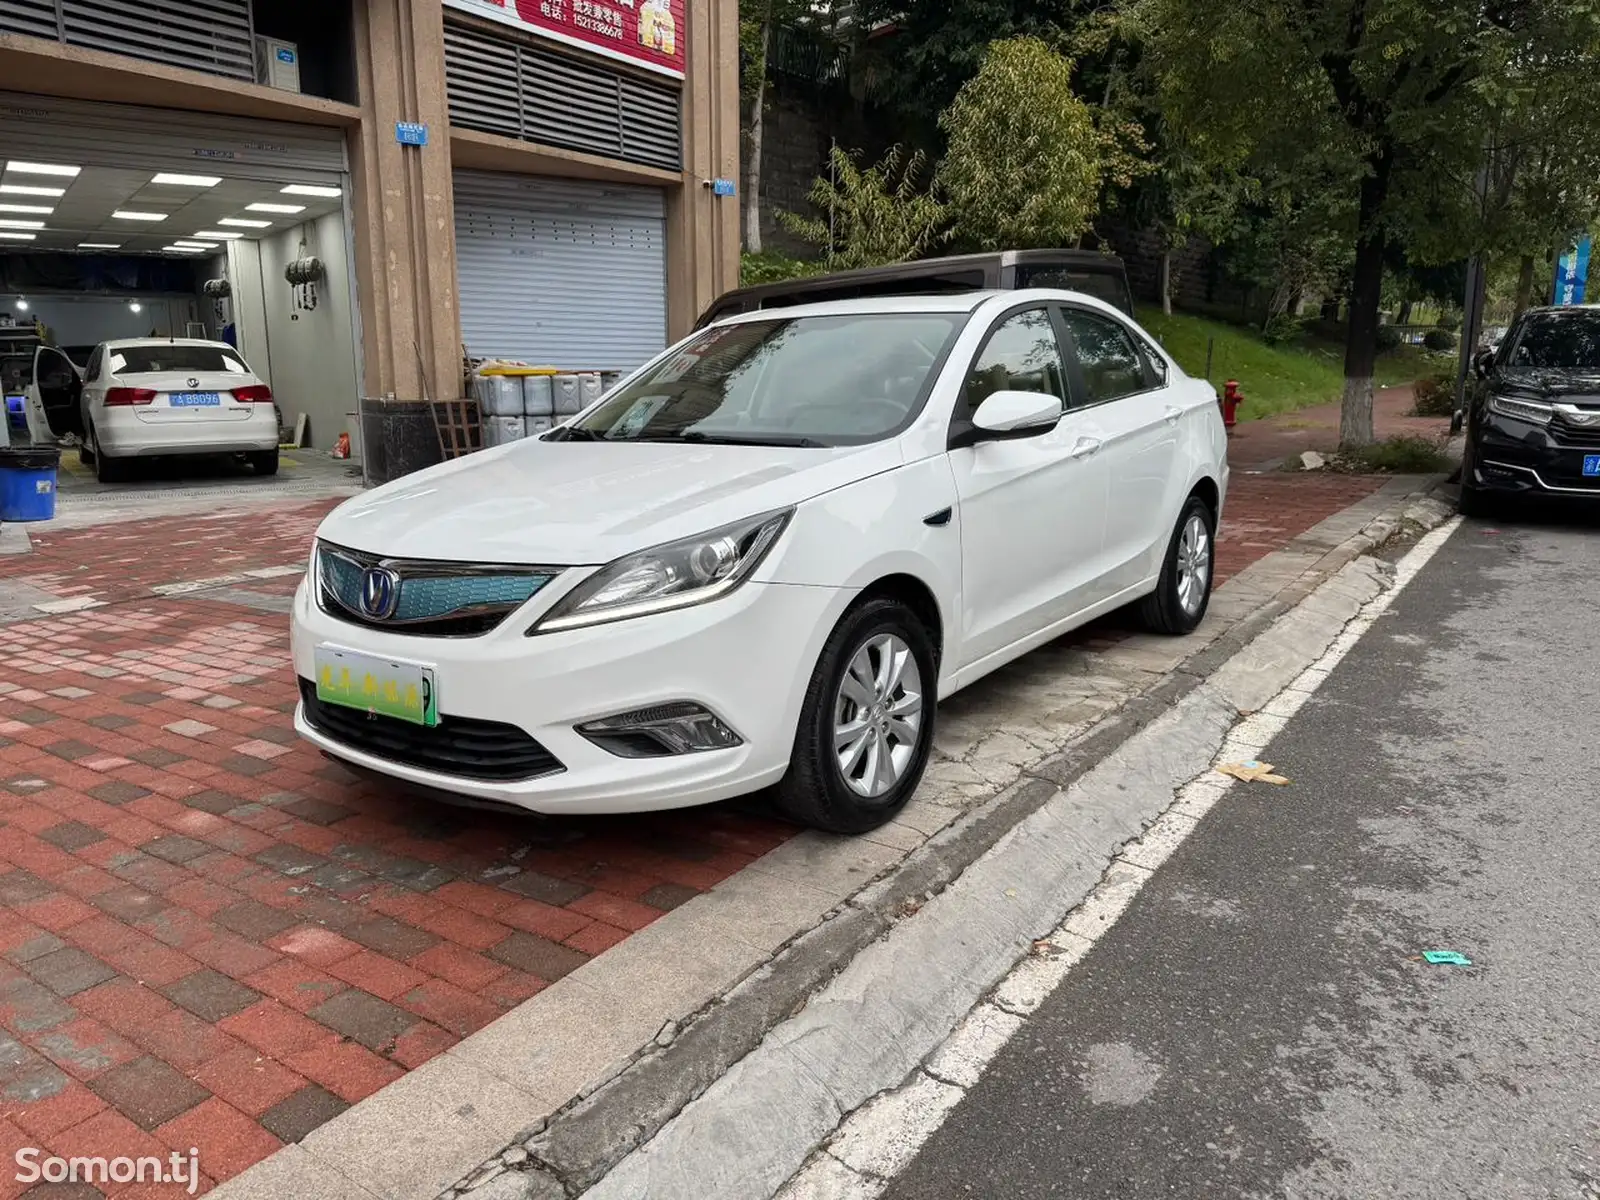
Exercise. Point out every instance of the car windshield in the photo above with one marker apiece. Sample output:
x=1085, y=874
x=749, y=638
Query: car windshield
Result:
x=140, y=360
x=801, y=381
x=1569, y=340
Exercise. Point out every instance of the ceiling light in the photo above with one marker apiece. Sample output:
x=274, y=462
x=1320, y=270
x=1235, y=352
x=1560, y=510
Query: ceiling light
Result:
x=32, y=168
x=28, y=189
x=8, y=224
x=99, y=245
x=311, y=189
x=275, y=208
x=228, y=235
x=27, y=208
x=17, y=237
x=196, y=245
x=245, y=223
x=187, y=180
x=22, y=305
x=129, y=214
x=191, y=248
x=134, y=306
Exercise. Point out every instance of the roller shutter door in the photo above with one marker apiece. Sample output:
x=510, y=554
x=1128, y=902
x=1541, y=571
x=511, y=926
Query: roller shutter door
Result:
x=561, y=272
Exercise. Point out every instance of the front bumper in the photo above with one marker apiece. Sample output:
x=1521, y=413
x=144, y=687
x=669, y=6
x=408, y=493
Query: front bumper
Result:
x=747, y=658
x=1516, y=457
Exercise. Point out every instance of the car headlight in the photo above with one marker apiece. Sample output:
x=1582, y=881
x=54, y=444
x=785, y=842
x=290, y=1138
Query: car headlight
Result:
x=676, y=575
x=1530, y=411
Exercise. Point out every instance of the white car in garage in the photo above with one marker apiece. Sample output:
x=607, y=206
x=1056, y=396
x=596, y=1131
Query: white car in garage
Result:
x=763, y=558
x=144, y=397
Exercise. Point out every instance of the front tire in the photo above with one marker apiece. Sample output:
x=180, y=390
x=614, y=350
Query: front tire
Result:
x=866, y=727
x=1183, y=593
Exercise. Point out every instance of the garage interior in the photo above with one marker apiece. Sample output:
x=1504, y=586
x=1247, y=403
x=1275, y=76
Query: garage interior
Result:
x=110, y=229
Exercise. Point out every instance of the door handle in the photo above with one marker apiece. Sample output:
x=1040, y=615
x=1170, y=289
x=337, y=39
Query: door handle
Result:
x=1173, y=413
x=1086, y=446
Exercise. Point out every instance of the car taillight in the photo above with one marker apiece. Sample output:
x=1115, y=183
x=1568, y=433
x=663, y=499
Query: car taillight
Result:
x=124, y=396
x=256, y=393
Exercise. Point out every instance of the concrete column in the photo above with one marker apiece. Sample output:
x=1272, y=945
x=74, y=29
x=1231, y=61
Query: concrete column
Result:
x=703, y=229
x=405, y=231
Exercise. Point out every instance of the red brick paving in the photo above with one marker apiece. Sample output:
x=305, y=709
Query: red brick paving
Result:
x=211, y=936
x=1278, y=437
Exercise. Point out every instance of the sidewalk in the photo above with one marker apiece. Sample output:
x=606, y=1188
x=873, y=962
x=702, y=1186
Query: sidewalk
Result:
x=1262, y=445
x=214, y=937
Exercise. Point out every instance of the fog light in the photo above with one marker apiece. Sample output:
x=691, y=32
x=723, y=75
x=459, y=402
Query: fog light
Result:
x=662, y=729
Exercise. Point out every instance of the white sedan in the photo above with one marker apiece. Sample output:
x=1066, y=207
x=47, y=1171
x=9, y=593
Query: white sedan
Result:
x=762, y=558
x=168, y=396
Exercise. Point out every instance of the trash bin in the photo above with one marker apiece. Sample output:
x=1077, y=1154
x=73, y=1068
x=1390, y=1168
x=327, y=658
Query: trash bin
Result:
x=28, y=483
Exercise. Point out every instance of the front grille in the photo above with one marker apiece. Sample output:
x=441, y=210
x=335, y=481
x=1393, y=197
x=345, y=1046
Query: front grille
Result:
x=463, y=747
x=436, y=599
x=1574, y=435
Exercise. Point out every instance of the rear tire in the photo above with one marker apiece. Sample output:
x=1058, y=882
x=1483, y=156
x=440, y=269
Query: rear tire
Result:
x=263, y=462
x=106, y=468
x=1183, y=592
x=866, y=727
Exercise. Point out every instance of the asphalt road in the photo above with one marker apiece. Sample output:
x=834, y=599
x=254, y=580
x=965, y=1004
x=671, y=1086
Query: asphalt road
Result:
x=1258, y=1024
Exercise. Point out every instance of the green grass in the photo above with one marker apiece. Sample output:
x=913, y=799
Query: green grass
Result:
x=1404, y=455
x=1274, y=379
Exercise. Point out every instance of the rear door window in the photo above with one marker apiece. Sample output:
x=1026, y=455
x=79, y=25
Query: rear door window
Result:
x=1111, y=363
x=143, y=360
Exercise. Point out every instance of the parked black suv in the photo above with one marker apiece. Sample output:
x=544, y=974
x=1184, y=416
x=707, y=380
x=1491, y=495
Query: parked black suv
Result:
x=1099, y=275
x=1533, y=425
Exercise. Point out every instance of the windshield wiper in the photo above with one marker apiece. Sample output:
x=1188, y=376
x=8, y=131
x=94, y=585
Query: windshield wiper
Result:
x=698, y=438
x=576, y=433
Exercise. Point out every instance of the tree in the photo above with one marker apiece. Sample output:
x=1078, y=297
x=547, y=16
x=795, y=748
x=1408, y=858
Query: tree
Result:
x=1025, y=158
x=758, y=20
x=874, y=215
x=1386, y=98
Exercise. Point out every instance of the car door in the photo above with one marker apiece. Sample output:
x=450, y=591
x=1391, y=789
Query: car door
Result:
x=1032, y=508
x=53, y=396
x=92, y=372
x=1139, y=421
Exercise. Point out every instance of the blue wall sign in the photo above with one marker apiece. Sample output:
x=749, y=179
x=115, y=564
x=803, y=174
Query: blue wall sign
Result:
x=1572, y=273
x=410, y=133
x=722, y=187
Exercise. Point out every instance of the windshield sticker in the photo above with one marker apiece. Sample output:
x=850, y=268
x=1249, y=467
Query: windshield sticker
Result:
x=638, y=416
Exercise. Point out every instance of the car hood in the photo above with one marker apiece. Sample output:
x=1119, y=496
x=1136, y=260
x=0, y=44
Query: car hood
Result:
x=585, y=503
x=1549, y=382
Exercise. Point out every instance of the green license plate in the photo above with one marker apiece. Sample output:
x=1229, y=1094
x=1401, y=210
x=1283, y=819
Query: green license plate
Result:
x=376, y=685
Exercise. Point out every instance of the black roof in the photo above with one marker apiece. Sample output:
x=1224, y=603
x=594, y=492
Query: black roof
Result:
x=1088, y=259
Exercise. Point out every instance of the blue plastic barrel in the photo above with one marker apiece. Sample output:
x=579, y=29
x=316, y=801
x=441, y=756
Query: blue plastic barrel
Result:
x=28, y=483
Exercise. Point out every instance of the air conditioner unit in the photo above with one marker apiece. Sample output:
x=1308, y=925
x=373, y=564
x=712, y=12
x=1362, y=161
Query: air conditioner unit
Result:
x=277, y=63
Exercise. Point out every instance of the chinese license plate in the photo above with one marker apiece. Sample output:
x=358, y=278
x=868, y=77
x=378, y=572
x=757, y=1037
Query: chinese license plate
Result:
x=376, y=685
x=1591, y=464
x=195, y=399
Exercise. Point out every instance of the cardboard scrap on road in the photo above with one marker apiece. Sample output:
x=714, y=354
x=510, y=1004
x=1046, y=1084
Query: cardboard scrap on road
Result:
x=1253, y=772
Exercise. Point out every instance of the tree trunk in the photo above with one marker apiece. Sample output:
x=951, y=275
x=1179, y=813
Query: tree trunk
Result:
x=1524, y=285
x=1366, y=299
x=752, y=175
x=1166, y=282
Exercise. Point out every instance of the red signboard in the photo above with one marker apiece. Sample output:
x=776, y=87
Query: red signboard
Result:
x=649, y=33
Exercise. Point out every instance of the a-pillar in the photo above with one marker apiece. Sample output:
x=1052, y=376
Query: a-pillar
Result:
x=405, y=234
x=703, y=228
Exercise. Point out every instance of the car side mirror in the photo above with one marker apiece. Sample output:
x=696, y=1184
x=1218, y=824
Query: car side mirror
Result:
x=1482, y=361
x=1008, y=414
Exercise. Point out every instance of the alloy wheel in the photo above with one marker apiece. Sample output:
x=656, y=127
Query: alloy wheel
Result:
x=878, y=715
x=1194, y=564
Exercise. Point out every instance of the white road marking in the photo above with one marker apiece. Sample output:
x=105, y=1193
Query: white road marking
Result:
x=883, y=1136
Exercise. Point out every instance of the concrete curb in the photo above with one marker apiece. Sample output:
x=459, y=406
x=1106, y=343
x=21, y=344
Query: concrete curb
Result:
x=580, y=1143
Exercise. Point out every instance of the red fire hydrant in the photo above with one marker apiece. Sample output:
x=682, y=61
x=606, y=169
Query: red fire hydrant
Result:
x=1230, y=401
